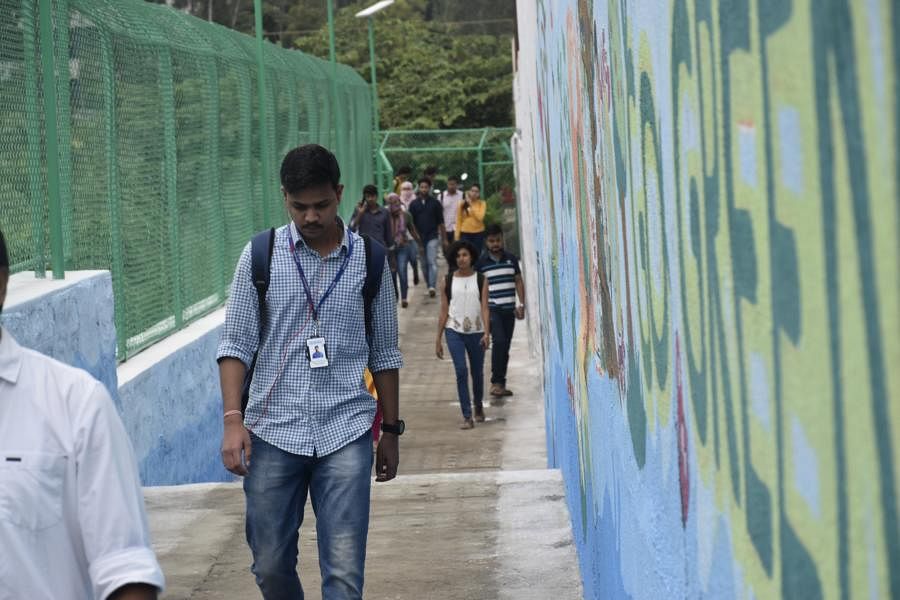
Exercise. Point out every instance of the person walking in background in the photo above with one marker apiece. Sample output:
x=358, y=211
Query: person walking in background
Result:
x=501, y=269
x=308, y=420
x=450, y=200
x=470, y=218
x=371, y=219
x=407, y=196
x=428, y=217
x=464, y=320
x=72, y=517
x=403, y=174
x=405, y=239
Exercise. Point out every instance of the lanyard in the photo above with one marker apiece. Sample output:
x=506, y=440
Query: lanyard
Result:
x=312, y=305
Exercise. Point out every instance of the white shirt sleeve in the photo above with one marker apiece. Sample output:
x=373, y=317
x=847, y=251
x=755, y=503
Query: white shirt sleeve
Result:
x=110, y=502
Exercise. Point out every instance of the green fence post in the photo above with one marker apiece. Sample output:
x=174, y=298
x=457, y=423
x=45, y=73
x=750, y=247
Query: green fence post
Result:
x=263, y=120
x=335, y=105
x=33, y=139
x=245, y=111
x=112, y=193
x=48, y=70
x=212, y=124
x=64, y=129
x=481, y=162
x=375, y=112
x=167, y=96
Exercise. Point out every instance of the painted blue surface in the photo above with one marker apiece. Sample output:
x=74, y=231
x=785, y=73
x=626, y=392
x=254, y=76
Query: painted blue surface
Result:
x=172, y=412
x=74, y=325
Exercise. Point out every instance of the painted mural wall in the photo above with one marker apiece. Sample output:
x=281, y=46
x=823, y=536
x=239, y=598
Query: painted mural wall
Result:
x=712, y=231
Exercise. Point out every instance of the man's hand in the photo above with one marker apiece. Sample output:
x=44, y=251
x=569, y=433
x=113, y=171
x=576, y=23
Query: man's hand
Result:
x=387, y=457
x=235, y=443
x=520, y=312
x=486, y=341
x=439, y=349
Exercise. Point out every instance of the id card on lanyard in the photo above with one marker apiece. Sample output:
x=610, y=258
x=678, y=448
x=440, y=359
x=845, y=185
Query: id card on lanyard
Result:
x=317, y=346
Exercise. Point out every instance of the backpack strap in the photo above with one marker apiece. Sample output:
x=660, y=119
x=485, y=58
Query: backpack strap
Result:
x=375, y=256
x=261, y=248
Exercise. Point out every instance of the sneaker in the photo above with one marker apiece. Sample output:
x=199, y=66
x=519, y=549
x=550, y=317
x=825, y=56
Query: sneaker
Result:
x=479, y=415
x=431, y=292
x=507, y=392
x=404, y=303
x=467, y=424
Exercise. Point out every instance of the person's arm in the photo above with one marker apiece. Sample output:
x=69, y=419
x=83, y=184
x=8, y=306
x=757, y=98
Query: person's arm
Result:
x=239, y=341
x=520, y=290
x=442, y=320
x=111, y=514
x=485, y=314
x=459, y=220
x=413, y=231
x=387, y=459
x=384, y=362
x=135, y=591
x=354, y=219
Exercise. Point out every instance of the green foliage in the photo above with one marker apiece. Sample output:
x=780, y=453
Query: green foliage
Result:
x=427, y=78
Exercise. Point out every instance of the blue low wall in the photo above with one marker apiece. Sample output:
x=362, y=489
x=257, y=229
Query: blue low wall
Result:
x=70, y=320
x=173, y=408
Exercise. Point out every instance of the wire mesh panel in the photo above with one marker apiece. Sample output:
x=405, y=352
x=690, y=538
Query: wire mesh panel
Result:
x=159, y=148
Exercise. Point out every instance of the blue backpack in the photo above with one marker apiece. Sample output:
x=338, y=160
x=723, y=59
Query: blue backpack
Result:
x=261, y=247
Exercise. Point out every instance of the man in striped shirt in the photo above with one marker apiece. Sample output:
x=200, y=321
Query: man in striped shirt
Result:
x=501, y=269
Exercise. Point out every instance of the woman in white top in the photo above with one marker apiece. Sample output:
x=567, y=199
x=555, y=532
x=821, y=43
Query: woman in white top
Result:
x=465, y=321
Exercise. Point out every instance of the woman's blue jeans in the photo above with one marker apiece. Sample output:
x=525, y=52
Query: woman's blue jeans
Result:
x=404, y=256
x=461, y=344
x=276, y=489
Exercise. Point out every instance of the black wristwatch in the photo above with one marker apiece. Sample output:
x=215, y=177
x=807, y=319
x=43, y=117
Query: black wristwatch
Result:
x=396, y=428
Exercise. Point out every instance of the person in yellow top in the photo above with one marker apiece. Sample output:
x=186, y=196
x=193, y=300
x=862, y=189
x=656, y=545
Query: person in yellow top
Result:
x=470, y=218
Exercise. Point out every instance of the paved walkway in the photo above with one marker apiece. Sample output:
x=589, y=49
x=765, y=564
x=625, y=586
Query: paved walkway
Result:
x=473, y=514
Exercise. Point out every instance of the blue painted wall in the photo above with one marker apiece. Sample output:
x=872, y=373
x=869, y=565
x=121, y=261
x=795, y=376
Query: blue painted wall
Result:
x=172, y=412
x=73, y=325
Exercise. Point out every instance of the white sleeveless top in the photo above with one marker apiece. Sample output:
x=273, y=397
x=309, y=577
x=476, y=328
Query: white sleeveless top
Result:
x=465, y=305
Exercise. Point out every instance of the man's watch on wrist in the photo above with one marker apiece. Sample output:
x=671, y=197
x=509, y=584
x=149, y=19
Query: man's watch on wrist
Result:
x=396, y=428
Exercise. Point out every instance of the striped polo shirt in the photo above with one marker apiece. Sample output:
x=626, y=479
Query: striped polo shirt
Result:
x=501, y=276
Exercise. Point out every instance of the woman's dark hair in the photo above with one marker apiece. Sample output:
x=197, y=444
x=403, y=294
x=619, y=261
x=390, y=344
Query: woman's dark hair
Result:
x=493, y=229
x=309, y=166
x=370, y=189
x=454, y=249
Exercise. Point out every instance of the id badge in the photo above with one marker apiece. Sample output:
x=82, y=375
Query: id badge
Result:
x=317, y=352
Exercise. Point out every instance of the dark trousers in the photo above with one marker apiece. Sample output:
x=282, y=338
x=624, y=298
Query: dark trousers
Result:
x=503, y=323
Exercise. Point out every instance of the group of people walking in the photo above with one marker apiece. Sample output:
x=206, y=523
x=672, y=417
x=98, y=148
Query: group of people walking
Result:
x=297, y=414
x=478, y=296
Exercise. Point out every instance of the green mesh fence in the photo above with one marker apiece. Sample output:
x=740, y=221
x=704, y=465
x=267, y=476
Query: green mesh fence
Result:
x=159, y=149
x=479, y=156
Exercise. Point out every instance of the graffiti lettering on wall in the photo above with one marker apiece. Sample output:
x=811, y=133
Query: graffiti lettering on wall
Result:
x=721, y=285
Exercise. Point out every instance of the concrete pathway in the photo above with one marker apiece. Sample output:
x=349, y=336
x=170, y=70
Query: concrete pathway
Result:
x=473, y=514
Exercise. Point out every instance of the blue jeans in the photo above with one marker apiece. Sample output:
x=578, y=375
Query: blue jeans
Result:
x=276, y=489
x=430, y=266
x=459, y=345
x=404, y=257
x=477, y=240
x=503, y=323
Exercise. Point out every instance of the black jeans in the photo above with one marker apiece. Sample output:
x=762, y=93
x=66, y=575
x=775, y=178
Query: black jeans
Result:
x=503, y=322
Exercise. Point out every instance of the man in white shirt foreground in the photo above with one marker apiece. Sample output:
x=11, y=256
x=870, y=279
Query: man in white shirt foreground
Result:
x=72, y=520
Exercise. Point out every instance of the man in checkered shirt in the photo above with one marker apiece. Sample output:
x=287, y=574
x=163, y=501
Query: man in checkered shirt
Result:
x=307, y=426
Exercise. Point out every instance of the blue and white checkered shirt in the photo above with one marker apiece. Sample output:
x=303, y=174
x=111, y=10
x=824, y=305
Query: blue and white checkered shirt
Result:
x=310, y=412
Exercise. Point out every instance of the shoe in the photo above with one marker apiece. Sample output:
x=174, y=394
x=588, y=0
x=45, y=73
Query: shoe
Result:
x=497, y=390
x=404, y=303
x=507, y=392
x=467, y=424
x=479, y=415
x=431, y=292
